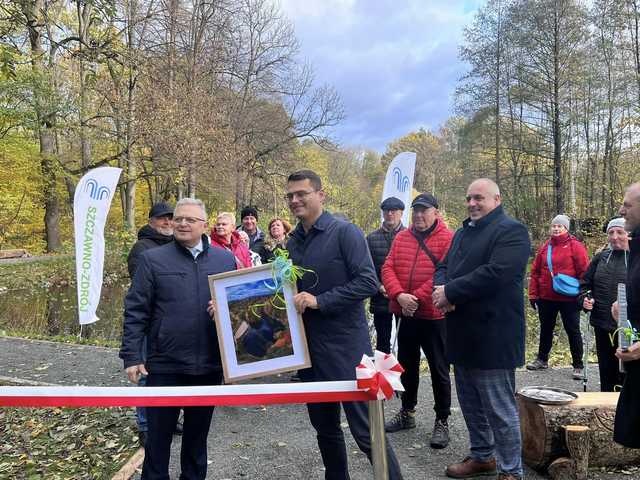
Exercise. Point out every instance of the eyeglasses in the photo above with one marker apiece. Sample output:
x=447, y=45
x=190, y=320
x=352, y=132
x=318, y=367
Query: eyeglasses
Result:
x=189, y=220
x=301, y=194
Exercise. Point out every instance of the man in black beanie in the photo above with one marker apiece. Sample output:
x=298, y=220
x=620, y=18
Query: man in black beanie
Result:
x=249, y=220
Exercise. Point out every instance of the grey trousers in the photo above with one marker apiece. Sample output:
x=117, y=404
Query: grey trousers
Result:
x=487, y=400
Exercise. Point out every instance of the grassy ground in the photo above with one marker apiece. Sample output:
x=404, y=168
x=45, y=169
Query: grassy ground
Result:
x=55, y=443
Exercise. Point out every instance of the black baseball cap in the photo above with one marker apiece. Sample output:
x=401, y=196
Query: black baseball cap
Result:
x=160, y=209
x=425, y=200
x=392, y=203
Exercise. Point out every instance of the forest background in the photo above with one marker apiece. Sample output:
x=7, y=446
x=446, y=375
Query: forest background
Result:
x=210, y=98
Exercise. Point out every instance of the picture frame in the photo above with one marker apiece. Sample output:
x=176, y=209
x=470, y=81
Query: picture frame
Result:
x=259, y=330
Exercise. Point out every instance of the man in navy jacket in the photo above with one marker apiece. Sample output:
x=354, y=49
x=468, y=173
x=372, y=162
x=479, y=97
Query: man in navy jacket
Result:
x=331, y=303
x=480, y=286
x=167, y=303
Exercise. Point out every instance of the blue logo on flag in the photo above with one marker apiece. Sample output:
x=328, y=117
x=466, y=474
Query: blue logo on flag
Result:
x=401, y=181
x=96, y=191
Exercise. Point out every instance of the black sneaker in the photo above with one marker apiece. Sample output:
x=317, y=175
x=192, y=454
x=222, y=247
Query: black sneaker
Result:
x=537, y=364
x=403, y=420
x=440, y=434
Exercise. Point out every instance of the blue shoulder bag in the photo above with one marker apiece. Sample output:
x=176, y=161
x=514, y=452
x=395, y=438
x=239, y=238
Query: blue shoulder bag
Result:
x=563, y=284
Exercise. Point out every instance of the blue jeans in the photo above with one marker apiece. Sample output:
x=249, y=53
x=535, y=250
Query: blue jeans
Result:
x=141, y=412
x=488, y=403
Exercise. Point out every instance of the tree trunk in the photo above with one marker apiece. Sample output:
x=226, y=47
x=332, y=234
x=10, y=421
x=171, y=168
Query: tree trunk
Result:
x=543, y=431
x=46, y=122
x=555, y=106
x=50, y=191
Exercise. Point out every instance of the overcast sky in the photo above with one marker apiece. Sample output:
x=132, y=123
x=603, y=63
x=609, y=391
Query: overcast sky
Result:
x=393, y=62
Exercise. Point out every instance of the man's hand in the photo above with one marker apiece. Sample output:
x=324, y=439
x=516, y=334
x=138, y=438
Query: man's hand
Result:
x=211, y=308
x=587, y=304
x=440, y=299
x=633, y=353
x=135, y=372
x=615, y=310
x=304, y=300
x=383, y=291
x=408, y=303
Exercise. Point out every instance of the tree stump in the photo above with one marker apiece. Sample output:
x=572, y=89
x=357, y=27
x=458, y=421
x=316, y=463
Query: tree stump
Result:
x=544, y=434
x=578, y=443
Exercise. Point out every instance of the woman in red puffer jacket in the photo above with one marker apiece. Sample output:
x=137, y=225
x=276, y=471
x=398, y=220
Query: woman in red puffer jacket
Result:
x=568, y=256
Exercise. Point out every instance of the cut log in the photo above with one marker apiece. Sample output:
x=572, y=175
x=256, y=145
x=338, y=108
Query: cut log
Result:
x=15, y=253
x=544, y=438
x=562, y=468
x=577, y=439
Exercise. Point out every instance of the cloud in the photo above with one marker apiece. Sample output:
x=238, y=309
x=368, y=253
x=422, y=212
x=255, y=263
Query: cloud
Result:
x=395, y=63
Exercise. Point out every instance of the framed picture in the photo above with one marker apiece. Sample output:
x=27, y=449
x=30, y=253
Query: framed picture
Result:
x=259, y=330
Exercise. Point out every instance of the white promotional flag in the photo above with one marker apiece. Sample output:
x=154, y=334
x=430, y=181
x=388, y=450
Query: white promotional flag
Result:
x=90, y=207
x=399, y=181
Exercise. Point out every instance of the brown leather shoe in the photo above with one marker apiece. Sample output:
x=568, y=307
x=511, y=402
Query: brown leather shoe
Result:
x=471, y=468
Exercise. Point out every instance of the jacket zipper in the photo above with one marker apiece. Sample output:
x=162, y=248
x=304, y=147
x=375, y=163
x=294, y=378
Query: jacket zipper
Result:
x=197, y=268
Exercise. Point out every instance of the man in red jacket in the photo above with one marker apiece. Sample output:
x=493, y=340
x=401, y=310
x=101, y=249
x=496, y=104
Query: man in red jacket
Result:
x=407, y=275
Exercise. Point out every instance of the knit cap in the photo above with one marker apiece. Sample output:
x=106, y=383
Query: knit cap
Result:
x=616, y=222
x=561, y=220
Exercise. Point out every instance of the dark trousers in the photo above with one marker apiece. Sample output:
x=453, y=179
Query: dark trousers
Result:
x=382, y=322
x=570, y=314
x=162, y=422
x=430, y=335
x=325, y=418
x=608, y=363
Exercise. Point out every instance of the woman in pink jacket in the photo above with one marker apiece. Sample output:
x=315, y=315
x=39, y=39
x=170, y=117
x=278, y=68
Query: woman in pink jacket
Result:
x=224, y=235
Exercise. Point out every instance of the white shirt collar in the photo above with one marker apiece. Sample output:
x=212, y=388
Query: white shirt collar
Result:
x=197, y=249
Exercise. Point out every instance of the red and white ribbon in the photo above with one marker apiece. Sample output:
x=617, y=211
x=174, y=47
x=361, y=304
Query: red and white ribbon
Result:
x=220, y=395
x=380, y=376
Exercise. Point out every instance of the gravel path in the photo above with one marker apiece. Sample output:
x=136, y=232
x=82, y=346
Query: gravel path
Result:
x=274, y=442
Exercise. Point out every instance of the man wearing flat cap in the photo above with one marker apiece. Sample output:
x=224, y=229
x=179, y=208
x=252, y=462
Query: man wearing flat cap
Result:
x=157, y=232
x=408, y=275
x=379, y=242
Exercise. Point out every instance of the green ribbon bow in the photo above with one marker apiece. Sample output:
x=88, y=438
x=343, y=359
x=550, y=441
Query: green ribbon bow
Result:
x=282, y=271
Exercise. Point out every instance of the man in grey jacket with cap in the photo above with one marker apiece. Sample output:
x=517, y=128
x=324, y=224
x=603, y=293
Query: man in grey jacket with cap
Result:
x=379, y=242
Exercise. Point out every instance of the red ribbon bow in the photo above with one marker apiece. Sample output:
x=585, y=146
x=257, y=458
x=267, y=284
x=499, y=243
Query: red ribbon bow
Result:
x=380, y=377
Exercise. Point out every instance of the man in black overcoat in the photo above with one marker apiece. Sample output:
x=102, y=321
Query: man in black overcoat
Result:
x=331, y=303
x=627, y=424
x=480, y=286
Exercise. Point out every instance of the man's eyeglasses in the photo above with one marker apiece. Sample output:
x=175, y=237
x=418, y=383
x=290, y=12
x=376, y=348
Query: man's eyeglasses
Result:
x=189, y=220
x=301, y=194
